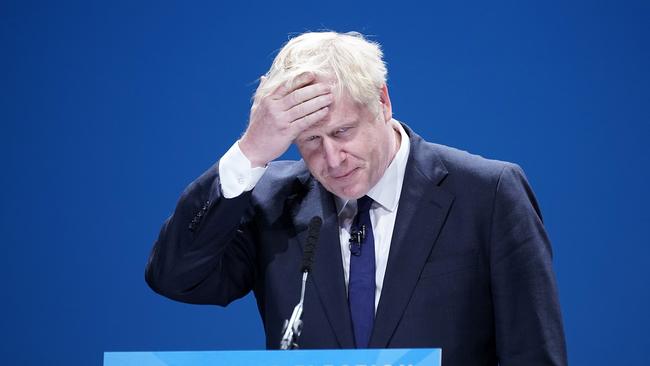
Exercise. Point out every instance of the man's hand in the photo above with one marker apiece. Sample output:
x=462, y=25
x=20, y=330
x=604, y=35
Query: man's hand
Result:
x=278, y=118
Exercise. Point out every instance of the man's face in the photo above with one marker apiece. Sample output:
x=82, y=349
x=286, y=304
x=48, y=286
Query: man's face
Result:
x=349, y=150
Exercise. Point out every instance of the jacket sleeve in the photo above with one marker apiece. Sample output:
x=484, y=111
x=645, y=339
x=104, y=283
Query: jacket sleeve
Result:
x=204, y=253
x=528, y=321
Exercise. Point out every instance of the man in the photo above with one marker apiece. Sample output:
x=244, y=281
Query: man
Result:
x=422, y=245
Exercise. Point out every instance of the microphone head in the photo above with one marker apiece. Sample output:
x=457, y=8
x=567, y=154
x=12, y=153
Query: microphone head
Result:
x=314, y=225
x=313, y=232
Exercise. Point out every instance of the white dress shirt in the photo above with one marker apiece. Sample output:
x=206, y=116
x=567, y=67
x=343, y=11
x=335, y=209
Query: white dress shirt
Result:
x=238, y=177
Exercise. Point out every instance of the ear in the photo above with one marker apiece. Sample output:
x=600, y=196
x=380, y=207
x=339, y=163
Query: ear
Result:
x=384, y=98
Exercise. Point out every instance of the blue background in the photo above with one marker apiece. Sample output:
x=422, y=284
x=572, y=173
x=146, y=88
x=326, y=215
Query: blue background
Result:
x=109, y=109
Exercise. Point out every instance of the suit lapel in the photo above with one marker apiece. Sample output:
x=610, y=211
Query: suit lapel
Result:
x=421, y=214
x=327, y=271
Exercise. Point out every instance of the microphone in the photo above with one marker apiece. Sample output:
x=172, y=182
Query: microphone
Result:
x=357, y=236
x=293, y=327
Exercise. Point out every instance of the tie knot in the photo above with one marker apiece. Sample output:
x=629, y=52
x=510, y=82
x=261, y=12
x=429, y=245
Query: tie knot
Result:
x=363, y=204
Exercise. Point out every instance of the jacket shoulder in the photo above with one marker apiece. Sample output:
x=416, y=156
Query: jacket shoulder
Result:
x=471, y=168
x=479, y=181
x=282, y=183
x=281, y=175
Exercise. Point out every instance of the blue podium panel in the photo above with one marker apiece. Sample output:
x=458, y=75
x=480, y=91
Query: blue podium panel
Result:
x=364, y=357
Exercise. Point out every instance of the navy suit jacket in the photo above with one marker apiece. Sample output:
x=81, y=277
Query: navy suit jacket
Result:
x=469, y=268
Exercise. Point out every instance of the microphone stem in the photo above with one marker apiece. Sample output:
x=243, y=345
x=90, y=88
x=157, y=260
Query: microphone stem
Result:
x=292, y=332
x=304, y=284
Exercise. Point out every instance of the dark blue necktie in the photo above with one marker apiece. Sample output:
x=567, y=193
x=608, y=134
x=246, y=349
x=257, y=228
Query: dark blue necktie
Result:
x=361, y=287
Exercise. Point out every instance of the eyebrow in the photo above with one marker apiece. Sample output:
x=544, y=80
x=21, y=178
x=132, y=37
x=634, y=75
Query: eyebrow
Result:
x=350, y=123
x=329, y=129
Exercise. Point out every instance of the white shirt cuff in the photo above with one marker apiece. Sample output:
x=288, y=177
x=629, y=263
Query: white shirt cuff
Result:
x=235, y=172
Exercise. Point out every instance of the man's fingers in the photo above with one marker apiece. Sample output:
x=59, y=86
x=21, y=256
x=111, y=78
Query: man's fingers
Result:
x=305, y=94
x=303, y=79
x=310, y=106
x=284, y=89
x=305, y=122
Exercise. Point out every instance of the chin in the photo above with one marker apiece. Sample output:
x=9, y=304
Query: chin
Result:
x=353, y=193
x=349, y=191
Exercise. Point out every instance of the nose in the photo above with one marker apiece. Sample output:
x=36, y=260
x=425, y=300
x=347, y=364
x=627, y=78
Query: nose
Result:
x=333, y=153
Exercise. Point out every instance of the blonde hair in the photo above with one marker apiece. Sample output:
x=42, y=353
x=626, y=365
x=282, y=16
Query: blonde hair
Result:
x=355, y=64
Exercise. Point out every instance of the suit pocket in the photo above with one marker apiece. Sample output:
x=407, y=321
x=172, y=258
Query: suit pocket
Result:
x=450, y=262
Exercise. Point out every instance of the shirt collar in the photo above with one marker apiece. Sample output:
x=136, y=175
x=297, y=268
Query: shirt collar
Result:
x=387, y=190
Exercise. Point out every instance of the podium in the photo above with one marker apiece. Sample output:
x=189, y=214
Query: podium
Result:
x=351, y=357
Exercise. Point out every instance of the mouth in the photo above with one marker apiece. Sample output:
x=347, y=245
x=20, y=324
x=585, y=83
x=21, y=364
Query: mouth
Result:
x=346, y=175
